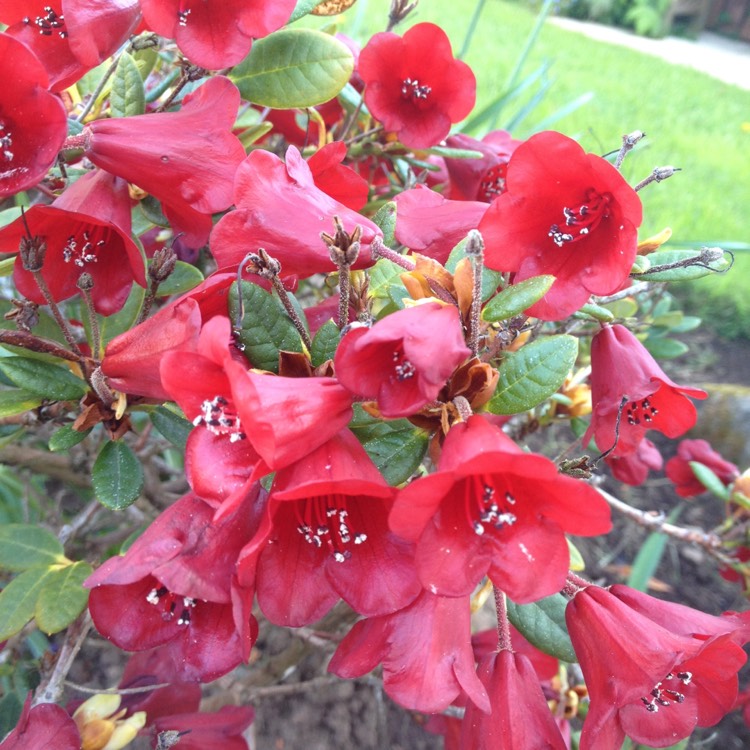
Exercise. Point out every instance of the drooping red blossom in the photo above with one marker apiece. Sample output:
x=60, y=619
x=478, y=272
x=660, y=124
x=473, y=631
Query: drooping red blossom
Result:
x=414, y=86
x=425, y=650
x=432, y=225
x=565, y=213
x=342, y=183
x=131, y=360
x=215, y=34
x=43, y=727
x=70, y=37
x=280, y=209
x=33, y=122
x=485, y=643
x=653, y=670
x=86, y=229
x=634, y=467
x=287, y=418
x=404, y=359
x=480, y=179
x=176, y=588
x=220, y=730
x=621, y=367
x=679, y=471
x=186, y=159
x=219, y=458
x=329, y=540
x=493, y=509
x=520, y=715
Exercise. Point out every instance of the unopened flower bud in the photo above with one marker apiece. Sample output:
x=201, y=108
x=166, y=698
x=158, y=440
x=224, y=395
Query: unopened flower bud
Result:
x=32, y=251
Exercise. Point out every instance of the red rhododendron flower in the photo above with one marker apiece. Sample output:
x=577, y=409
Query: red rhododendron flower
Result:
x=43, y=727
x=404, y=359
x=342, y=183
x=480, y=179
x=221, y=730
x=520, y=715
x=414, y=86
x=493, y=509
x=280, y=209
x=287, y=418
x=679, y=471
x=432, y=225
x=330, y=540
x=215, y=33
x=175, y=588
x=622, y=367
x=33, y=122
x=131, y=360
x=186, y=159
x=425, y=650
x=634, y=467
x=654, y=670
x=70, y=37
x=86, y=229
x=565, y=213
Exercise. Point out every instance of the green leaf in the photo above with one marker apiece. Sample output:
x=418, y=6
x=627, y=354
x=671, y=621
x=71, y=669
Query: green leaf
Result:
x=533, y=373
x=641, y=264
x=266, y=328
x=490, y=279
x=23, y=546
x=597, y=312
x=117, y=476
x=709, y=480
x=517, y=298
x=145, y=59
x=542, y=623
x=302, y=8
x=18, y=599
x=454, y=153
x=17, y=401
x=62, y=597
x=66, y=437
x=325, y=342
x=293, y=68
x=184, y=278
x=128, y=97
x=385, y=219
x=171, y=426
x=664, y=348
x=396, y=447
x=42, y=378
x=383, y=275
x=124, y=319
x=10, y=712
x=666, y=257
x=623, y=308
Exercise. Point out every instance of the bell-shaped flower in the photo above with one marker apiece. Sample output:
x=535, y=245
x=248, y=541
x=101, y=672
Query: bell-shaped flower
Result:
x=622, y=368
x=33, y=122
x=329, y=540
x=220, y=730
x=634, y=467
x=654, y=670
x=679, y=470
x=215, y=34
x=70, y=37
x=565, y=213
x=425, y=650
x=492, y=509
x=404, y=359
x=414, y=85
x=43, y=727
x=185, y=159
x=86, y=230
x=280, y=209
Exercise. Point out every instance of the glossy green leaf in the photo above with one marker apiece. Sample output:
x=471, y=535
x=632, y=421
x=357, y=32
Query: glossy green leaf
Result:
x=383, y=275
x=184, y=278
x=325, y=343
x=62, y=597
x=266, y=328
x=542, y=623
x=641, y=264
x=532, y=374
x=18, y=599
x=23, y=546
x=171, y=426
x=128, y=97
x=664, y=348
x=293, y=68
x=145, y=59
x=385, y=219
x=66, y=437
x=667, y=257
x=597, y=312
x=43, y=378
x=117, y=476
x=518, y=298
x=623, y=308
x=17, y=401
x=396, y=447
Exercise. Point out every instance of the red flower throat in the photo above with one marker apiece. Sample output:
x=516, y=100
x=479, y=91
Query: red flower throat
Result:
x=582, y=221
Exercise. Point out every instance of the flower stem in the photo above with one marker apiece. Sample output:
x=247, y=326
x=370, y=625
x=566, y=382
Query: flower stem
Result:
x=658, y=175
x=379, y=250
x=85, y=284
x=628, y=143
x=503, y=624
x=56, y=314
x=291, y=312
x=475, y=253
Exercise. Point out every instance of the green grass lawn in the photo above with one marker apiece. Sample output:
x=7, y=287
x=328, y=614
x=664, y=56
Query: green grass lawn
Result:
x=692, y=121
